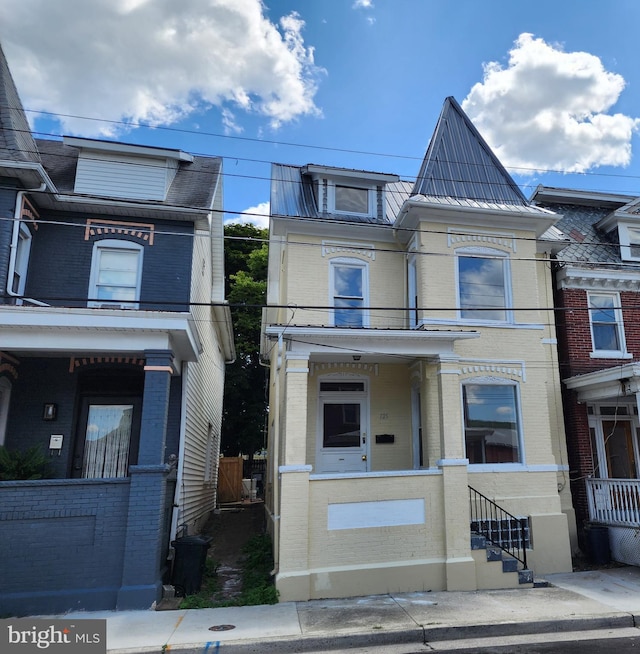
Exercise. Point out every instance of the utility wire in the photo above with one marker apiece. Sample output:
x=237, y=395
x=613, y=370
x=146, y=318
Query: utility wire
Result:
x=137, y=125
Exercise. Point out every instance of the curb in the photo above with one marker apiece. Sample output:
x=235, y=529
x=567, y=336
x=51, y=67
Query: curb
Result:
x=419, y=636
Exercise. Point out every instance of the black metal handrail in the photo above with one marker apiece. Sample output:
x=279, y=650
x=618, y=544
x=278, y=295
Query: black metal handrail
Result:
x=497, y=525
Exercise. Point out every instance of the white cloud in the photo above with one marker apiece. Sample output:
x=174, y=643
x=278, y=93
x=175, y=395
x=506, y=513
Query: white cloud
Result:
x=363, y=4
x=258, y=216
x=156, y=61
x=547, y=109
x=229, y=121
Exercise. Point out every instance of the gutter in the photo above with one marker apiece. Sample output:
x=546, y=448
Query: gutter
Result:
x=224, y=326
x=275, y=515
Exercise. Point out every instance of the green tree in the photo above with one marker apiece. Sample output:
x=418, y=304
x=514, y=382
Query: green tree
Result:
x=245, y=401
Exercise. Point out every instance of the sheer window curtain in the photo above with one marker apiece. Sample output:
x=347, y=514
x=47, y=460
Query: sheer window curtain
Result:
x=108, y=436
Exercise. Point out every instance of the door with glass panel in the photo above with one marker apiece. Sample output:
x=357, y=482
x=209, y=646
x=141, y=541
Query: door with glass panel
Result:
x=619, y=449
x=342, y=438
x=108, y=437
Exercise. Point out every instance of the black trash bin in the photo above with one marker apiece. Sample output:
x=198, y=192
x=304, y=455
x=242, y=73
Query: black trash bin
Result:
x=598, y=543
x=189, y=563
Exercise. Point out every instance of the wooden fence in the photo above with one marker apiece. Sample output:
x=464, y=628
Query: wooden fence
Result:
x=230, y=479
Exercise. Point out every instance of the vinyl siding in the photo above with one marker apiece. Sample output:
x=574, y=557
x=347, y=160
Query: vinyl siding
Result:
x=203, y=397
x=138, y=178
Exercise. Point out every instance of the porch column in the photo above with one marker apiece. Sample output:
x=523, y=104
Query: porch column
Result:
x=460, y=565
x=295, y=420
x=292, y=578
x=142, y=565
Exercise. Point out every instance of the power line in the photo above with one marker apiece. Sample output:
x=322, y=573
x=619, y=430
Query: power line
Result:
x=523, y=170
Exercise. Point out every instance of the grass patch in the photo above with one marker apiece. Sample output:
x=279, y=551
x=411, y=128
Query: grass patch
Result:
x=257, y=585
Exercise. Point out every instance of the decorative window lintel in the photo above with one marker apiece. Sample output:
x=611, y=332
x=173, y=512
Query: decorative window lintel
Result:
x=457, y=237
x=337, y=247
x=110, y=228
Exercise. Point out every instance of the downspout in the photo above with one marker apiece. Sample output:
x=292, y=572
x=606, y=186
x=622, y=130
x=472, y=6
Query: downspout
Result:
x=15, y=234
x=177, y=497
x=276, y=463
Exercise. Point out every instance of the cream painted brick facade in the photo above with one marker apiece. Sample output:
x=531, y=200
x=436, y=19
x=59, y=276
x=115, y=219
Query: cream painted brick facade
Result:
x=372, y=445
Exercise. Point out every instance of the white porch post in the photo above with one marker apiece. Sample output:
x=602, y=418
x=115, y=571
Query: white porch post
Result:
x=460, y=566
x=292, y=579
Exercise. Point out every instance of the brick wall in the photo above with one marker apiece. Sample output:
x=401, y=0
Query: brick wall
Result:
x=61, y=544
x=60, y=263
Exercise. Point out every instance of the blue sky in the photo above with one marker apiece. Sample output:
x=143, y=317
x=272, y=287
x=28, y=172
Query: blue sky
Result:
x=554, y=87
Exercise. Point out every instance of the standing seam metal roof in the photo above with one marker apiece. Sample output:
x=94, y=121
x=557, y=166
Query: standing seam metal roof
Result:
x=460, y=164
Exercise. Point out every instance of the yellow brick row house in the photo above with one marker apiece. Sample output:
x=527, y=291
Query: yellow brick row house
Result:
x=416, y=438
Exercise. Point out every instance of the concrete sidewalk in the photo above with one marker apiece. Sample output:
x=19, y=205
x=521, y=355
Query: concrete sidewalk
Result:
x=576, y=602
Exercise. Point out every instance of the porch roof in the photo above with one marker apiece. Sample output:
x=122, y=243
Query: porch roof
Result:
x=606, y=383
x=62, y=331
x=369, y=345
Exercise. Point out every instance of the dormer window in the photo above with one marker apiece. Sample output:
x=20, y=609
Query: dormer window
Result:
x=349, y=192
x=352, y=199
x=629, y=242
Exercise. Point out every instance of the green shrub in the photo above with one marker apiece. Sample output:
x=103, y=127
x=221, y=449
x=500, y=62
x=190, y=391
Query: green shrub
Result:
x=28, y=464
x=257, y=585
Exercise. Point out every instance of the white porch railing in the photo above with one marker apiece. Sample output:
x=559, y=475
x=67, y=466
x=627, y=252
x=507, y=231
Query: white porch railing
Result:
x=614, y=501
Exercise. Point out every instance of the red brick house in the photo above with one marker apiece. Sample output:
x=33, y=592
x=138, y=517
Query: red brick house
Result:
x=597, y=299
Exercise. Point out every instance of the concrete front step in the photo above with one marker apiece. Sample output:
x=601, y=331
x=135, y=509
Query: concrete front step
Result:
x=495, y=568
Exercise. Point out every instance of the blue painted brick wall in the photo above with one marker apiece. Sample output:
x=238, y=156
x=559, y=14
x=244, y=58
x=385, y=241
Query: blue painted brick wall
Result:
x=45, y=380
x=60, y=263
x=61, y=544
x=40, y=381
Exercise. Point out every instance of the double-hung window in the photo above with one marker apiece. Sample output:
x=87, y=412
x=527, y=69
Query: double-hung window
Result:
x=349, y=293
x=21, y=262
x=116, y=271
x=483, y=286
x=491, y=423
x=607, y=333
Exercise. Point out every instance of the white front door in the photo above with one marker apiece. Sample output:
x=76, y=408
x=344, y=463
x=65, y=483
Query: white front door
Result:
x=343, y=435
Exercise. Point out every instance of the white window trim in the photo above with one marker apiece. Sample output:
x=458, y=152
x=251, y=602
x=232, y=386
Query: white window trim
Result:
x=355, y=263
x=209, y=466
x=362, y=396
x=23, y=246
x=113, y=244
x=609, y=354
x=624, y=236
x=595, y=420
x=497, y=381
x=487, y=253
x=331, y=197
x=5, y=387
x=412, y=290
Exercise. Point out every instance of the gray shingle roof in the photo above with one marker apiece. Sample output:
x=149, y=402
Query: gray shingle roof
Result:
x=16, y=141
x=587, y=244
x=193, y=186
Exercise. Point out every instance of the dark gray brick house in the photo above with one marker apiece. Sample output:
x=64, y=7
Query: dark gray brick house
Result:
x=114, y=336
